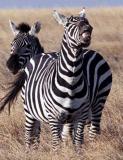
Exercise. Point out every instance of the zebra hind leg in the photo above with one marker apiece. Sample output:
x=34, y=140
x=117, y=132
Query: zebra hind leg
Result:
x=36, y=134
x=88, y=121
x=32, y=133
x=95, y=121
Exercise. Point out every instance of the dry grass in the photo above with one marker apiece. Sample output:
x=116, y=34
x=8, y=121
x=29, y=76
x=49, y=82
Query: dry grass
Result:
x=107, y=39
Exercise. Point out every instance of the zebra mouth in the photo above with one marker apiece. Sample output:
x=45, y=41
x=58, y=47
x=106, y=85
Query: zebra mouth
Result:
x=14, y=72
x=12, y=64
x=86, y=37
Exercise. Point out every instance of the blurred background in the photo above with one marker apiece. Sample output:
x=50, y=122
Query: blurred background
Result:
x=58, y=3
x=106, y=17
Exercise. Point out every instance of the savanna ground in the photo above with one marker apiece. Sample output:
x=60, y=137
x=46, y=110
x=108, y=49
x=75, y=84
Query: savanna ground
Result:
x=108, y=40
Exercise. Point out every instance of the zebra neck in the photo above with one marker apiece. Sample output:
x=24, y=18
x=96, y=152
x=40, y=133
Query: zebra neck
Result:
x=71, y=58
x=70, y=64
x=23, y=59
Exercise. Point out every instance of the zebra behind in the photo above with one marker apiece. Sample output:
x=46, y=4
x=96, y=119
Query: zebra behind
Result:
x=24, y=46
x=62, y=88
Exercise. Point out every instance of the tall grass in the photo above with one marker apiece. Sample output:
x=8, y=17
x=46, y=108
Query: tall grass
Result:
x=108, y=40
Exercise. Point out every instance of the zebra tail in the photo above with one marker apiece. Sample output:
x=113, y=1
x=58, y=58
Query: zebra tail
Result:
x=13, y=91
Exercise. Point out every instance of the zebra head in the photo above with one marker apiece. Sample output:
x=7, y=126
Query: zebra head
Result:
x=77, y=29
x=24, y=46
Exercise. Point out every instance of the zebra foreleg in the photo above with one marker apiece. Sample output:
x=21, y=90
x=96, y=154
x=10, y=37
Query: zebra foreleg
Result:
x=78, y=135
x=32, y=133
x=67, y=131
x=56, y=129
x=95, y=121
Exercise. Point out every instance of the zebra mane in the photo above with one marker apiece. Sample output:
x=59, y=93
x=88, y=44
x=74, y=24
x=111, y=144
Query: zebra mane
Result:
x=23, y=27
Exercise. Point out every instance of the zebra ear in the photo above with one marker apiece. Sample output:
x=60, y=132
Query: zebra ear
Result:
x=13, y=28
x=35, y=28
x=82, y=14
x=61, y=19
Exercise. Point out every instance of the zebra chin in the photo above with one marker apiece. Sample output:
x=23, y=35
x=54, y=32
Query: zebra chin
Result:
x=13, y=64
x=84, y=44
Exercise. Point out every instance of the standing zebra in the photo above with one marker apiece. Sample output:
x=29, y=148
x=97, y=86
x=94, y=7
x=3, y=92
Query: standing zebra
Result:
x=61, y=88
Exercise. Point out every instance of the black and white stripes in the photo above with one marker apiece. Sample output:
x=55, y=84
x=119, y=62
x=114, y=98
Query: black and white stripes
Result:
x=62, y=88
x=65, y=89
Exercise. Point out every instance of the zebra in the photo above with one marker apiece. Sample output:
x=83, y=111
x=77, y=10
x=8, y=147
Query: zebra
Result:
x=25, y=45
x=62, y=88
x=24, y=35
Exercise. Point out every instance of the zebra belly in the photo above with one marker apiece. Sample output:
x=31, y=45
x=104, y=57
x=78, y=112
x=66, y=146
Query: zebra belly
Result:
x=41, y=108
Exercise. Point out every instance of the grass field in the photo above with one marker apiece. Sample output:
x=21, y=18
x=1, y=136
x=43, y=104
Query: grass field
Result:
x=108, y=40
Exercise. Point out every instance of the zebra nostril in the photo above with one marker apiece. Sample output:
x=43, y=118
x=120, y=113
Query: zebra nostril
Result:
x=86, y=35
